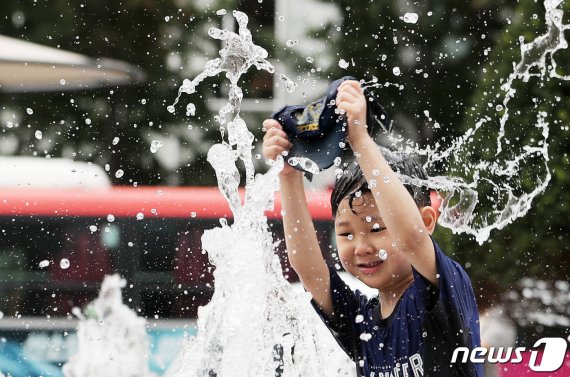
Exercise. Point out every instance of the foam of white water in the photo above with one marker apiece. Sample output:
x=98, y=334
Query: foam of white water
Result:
x=111, y=338
x=255, y=324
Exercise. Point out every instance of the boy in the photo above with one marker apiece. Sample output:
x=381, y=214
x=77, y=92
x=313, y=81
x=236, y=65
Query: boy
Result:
x=426, y=306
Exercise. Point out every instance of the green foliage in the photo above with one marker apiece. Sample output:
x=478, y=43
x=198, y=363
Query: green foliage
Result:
x=438, y=57
x=535, y=245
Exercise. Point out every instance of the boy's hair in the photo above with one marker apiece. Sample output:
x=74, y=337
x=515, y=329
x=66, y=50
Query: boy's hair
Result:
x=352, y=180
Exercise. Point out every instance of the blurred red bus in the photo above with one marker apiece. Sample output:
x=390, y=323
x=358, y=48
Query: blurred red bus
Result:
x=56, y=245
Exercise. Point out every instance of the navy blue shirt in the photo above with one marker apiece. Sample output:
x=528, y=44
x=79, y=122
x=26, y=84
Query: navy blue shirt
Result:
x=419, y=337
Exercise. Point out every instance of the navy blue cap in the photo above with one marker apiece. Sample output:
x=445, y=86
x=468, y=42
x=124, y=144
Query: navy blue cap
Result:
x=318, y=133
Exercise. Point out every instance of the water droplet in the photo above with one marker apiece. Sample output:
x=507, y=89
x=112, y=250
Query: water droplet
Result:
x=375, y=172
x=110, y=218
x=62, y=82
x=350, y=237
x=411, y=18
x=64, y=263
x=93, y=228
x=143, y=101
x=190, y=109
x=115, y=141
x=155, y=144
x=365, y=336
x=310, y=60
x=167, y=18
x=44, y=263
x=290, y=85
x=87, y=121
x=29, y=111
x=170, y=109
x=343, y=64
x=424, y=334
x=38, y=134
x=337, y=161
x=140, y=216
x=119, y=173
x=359, y=318
x=193, y=214
x=291, y=43
x=396, y=71
x=382, y=254
x=221, y=12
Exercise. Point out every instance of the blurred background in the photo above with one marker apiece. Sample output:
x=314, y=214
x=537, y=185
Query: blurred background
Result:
x=97, y=100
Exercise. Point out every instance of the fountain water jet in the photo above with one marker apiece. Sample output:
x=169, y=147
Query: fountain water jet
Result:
x=255, y=324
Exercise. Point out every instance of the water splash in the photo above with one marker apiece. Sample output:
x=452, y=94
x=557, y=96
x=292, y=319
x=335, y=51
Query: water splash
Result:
x=255, y=324
x=497, y=177
x=305, y=163
x=110, y=336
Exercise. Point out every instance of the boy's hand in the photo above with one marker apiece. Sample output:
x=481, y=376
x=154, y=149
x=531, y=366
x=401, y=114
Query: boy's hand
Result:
x=350, y=99
x=275, y=143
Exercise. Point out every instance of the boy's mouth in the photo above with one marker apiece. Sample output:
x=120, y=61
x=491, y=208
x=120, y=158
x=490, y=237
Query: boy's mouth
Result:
x=370, y=267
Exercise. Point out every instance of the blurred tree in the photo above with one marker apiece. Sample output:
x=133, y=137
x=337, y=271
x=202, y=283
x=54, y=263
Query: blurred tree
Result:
x=535, y=245
x=428, y=67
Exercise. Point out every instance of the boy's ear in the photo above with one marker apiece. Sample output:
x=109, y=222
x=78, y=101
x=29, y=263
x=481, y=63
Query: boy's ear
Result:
x=429, y=216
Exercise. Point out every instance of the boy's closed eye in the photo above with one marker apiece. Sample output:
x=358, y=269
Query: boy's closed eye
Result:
x=377, y=228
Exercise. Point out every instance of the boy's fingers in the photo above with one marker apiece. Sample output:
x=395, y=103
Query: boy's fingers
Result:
x=346, y=96
x=350, y=84
x=274, y=132
x=271, y=123
x=273, y=151
x=276, y=140
x=351, y=90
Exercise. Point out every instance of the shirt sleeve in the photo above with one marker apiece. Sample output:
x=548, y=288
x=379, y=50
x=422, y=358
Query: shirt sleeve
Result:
x=454, y=297
x=346, y=305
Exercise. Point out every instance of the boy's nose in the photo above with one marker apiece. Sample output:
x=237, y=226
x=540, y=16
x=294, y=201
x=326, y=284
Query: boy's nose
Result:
x=364, y=248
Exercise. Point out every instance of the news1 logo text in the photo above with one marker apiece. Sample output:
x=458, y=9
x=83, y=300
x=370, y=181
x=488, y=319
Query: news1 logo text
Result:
x=552, y=355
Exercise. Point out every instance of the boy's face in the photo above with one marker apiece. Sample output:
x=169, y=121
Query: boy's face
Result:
x=366, y=248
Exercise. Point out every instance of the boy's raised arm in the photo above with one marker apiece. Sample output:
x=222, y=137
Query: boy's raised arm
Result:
x=409, y=227
x=300, y=237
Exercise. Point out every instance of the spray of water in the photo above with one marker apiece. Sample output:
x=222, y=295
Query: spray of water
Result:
x=255, y=324
x=110, y=337
x=498, y=174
